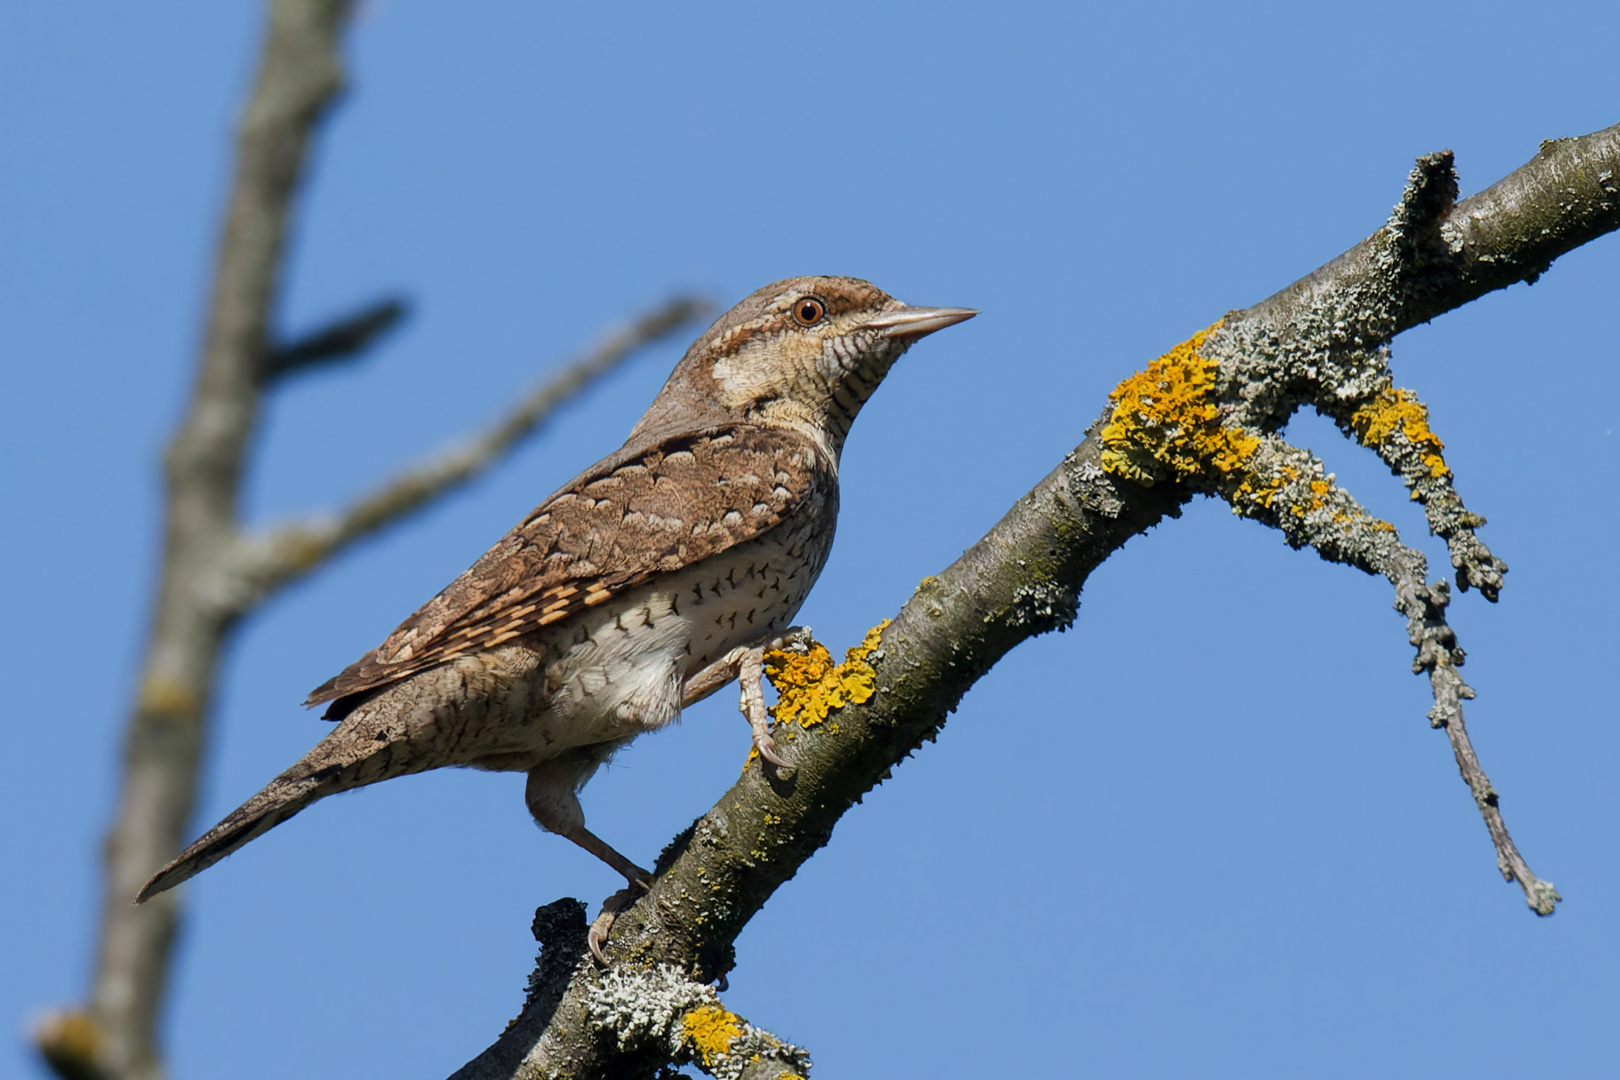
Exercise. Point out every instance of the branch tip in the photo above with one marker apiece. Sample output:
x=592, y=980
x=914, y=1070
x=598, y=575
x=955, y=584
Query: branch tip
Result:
x=343, y=338
x=1414, y=226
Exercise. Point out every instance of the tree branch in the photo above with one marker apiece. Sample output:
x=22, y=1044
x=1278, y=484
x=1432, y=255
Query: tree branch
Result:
x=300, y=74
x=653, y=1016
x=341, y=339
x=210, y=575
x=263, y=564
x=1200, y=420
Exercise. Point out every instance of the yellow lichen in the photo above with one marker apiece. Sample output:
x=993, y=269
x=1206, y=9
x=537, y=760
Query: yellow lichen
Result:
x=1261, y=489
x=71, y=1043
x=811, y=686
x=712, y=1030
x=169, y=697
x=1319, y=490
x=1166, y=424
x=1397, y=410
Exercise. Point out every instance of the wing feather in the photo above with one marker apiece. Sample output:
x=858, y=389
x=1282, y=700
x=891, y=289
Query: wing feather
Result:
x=630, y=517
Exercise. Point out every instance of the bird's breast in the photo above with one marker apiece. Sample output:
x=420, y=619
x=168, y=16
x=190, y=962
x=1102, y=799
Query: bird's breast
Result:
x=616, y=670
x=750, y=590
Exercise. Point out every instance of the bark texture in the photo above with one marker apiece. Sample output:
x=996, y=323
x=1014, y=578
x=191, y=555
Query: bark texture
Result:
x=1200, y=420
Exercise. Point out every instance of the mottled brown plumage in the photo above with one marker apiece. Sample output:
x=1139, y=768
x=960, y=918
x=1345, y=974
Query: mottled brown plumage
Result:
x=627, y=519
x=648, y=581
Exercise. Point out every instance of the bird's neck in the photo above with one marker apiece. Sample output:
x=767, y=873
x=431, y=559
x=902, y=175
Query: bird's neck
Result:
x=803, y=420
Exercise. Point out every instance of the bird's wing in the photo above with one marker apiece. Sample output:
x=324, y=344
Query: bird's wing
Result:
x=626, y=519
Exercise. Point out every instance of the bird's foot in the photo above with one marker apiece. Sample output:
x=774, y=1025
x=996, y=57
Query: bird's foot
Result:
x=751, y=676
x=729, y=666
x=746, y=664
x=597, y=936
x=794, y=639
x=639, y=881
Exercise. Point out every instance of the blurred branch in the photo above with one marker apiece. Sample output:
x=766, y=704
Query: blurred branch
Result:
x=1323, y=339
x=267, y=562
x=300, y=73
x=115, y=1035
x=341, y=339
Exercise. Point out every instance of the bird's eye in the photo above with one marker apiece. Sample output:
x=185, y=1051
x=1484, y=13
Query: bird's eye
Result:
x=809, y=311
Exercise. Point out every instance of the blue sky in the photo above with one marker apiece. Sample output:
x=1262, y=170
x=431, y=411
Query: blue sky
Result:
x=1206, y=831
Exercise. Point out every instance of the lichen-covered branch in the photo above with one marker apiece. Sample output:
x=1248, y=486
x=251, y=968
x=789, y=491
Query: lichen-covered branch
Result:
x=633, y=1019
x=1202, y=420
x=265, y=562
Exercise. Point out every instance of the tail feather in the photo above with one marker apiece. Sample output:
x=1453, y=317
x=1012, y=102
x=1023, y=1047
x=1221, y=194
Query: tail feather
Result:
x=281, y=799
x=356, y=754
x=411, y=727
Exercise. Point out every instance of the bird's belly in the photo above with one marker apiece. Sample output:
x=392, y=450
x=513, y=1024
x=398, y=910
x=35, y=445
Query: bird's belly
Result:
x=619, y=671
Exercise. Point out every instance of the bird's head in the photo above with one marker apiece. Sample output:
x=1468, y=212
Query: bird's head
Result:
x=804, y=353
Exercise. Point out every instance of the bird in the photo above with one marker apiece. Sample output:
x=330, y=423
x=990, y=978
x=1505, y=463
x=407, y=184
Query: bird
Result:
x=652, y=579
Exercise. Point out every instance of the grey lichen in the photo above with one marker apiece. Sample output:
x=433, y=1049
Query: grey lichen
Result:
x=636, y=1006
x=661, y=1008
x=754, y=1045
x=1044, y=605
x=1092, y=488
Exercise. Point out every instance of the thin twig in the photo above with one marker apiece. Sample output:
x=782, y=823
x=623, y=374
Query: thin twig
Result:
x=1439, y=654
x=343, y=338
x=1301, y=500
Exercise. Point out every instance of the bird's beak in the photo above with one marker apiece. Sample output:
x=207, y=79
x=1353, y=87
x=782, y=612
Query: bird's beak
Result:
x=914, y=322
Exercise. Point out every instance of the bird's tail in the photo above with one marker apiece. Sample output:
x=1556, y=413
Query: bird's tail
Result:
x=349, y=757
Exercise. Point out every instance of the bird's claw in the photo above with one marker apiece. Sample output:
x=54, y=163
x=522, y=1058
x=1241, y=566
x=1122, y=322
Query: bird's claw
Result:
x=794, y=639
x=766, y=746
x=746, y=664
x=751, y=677
x=597, y=936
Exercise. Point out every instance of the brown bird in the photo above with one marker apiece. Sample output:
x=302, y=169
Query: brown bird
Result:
x=649, y=581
